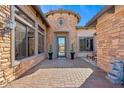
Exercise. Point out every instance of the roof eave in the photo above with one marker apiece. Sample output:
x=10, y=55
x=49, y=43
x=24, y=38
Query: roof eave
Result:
x=98, y=15
x=83, y=27
x=37, y=8
x=62, y=10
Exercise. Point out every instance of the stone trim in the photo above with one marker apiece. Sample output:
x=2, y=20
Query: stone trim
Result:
x=86, y=28
x=63, y=11
x=37, y=8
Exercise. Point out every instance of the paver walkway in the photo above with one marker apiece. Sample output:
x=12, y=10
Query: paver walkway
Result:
x=59, y=73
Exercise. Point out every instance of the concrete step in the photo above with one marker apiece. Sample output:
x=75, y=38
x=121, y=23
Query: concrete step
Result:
x=113, y=75
x=113, y=79
x=115, y=72
x=116, y=69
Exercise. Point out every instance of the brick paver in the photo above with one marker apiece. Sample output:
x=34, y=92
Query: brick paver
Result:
x=59, y=73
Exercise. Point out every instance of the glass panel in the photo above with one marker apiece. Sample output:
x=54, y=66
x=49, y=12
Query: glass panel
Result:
x=40, y=43
x=91, y=44
x=42, y=48
x=82, y=44
x=61, y=46
x=31, y=42
x=86, y=44
x=20, y=41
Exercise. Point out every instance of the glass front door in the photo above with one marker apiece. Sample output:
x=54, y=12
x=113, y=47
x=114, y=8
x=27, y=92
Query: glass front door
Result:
x=61, y=42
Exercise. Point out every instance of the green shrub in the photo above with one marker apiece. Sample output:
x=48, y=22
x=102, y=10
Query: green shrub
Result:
x=72, y=49
x=50, y=49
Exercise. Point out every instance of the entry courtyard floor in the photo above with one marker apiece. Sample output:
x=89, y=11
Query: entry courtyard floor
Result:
x=59, y=73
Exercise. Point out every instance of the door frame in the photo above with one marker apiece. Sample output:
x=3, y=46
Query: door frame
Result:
x=58, y=45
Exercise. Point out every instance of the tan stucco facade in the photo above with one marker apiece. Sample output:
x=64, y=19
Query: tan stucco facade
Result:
x=69, y=29
x=10, y=68
x=108, y=37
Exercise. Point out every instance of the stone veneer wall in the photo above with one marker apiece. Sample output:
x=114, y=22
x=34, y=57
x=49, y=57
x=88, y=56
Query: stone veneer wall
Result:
x=5, y=38
x=8, y=72
x=110, y=37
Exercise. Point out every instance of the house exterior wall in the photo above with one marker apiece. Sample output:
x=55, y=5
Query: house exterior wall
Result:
x=85, y=33
x=110, y=37
x=10, y=69
x=5, y=44
x=68, y=28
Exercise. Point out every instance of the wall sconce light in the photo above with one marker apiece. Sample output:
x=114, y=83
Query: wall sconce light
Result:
x=8, y=24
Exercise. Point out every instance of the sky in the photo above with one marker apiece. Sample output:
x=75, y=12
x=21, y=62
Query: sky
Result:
x=85, y=11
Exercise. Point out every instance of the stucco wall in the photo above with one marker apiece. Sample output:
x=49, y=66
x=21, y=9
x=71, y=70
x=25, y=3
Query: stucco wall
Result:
x=10, y=70
x=69, y=27
x=110, y=37
x=72, y=33
x=84, y=33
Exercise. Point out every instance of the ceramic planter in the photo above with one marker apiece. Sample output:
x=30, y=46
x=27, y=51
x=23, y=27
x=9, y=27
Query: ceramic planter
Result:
x=50, y=56
x=72, y=55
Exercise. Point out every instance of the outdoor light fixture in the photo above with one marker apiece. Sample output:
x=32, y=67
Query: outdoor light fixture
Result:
x=8, y=24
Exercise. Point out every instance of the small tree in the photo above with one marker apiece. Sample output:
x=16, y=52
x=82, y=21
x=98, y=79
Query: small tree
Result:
x=50, y=52
x=72, y=48
x=72, y=52
x=50, y=49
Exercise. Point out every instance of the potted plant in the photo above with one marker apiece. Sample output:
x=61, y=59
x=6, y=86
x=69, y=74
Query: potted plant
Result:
x=50, y=52
x=72, y=52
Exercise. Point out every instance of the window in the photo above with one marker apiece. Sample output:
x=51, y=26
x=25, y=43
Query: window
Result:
x=86, y=44
x=24, y=35
x=40, y=40
x=61, y=21
x=24, y=41
x=82, y=44
x=20, y=40
x=31, y=42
